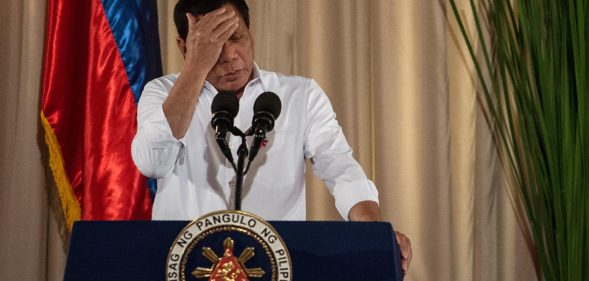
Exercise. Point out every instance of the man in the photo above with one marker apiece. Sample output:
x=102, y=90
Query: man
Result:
x=175, y=142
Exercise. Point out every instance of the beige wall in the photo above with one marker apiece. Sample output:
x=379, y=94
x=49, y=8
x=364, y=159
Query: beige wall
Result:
x=397, y=76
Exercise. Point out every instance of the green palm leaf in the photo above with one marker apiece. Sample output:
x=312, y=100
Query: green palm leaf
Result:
x=534, y=79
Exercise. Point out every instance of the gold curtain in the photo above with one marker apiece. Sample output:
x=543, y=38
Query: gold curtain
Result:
x=30, y=243
x=397, y=75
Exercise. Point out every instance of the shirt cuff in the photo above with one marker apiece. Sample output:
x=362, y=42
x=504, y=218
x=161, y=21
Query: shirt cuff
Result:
x=353, y=193
x=160, y=121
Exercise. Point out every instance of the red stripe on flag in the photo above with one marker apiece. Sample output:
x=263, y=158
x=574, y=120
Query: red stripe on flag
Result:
x=88, y=102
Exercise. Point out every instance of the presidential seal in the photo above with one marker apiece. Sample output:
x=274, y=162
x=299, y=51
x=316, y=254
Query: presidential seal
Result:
x=229, y=246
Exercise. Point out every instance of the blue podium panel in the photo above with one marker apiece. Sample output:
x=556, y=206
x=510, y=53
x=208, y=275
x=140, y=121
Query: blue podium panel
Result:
x=322, y=251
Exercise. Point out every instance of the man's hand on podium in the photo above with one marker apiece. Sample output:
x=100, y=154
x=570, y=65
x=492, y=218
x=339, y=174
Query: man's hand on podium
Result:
x=369, y=211
x=406, y=252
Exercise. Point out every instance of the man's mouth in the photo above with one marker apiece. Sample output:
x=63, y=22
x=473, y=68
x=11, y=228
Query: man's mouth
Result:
x=231, y=75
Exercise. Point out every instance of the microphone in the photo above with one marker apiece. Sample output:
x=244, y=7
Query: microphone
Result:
x=224, y=108
x=266, y=109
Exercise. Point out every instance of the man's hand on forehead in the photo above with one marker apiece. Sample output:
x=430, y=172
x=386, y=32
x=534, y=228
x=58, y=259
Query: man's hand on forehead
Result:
x=207, y=35
x=213, y=13
x=217, y=22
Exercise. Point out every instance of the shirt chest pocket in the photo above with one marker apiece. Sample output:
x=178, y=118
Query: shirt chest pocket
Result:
x=279, y=163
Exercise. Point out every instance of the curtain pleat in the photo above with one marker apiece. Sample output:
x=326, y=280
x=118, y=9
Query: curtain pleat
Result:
x=31, y=246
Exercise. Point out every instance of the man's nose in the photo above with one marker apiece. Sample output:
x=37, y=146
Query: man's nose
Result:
x=228, y=53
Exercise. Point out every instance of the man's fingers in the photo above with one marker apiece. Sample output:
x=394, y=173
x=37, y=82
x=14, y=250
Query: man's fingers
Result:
x=191, y=19
x=219, y=14
x=227, y=34
x=404, y=244
x=213, y=25
x=218, y=11
x=407, y=259
x=216, y=21
x=204, y=19
x=406, y=251
x=224, y=31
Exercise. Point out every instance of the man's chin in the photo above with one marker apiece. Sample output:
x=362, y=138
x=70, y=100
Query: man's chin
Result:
x=233, y=86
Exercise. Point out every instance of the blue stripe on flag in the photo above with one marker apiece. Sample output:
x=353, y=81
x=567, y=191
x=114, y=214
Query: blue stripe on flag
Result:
x=135, y=29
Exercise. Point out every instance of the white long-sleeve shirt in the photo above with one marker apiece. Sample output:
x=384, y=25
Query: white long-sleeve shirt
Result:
x=194, y=177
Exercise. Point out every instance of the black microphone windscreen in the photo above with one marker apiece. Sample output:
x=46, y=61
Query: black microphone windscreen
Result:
x=269, y=102
x=225, y=101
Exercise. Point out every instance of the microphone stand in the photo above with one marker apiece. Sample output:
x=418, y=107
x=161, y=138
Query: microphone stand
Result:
x=241, y=170
x=242, y=153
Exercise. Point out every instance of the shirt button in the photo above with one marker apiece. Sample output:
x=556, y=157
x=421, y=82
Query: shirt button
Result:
x=232, y=183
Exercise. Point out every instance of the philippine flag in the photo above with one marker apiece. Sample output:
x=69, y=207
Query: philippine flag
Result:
x=98, y=56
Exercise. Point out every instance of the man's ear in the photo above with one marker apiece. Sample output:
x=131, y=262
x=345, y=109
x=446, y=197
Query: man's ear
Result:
x=181, y=46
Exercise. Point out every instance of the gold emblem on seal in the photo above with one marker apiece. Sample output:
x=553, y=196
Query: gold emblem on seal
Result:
x=228, y=267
